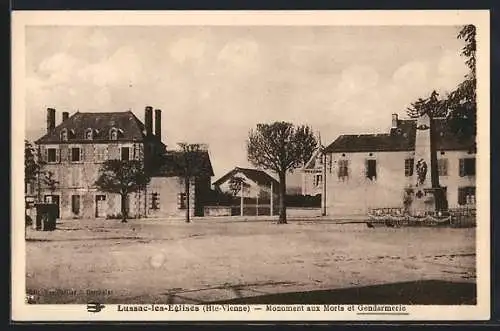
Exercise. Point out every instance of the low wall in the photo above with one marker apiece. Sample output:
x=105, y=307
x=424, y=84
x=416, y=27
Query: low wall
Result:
x=303, y=212
x=217, y=211
x=262, y=210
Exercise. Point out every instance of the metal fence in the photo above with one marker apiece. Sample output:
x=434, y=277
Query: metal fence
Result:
x=463, y=217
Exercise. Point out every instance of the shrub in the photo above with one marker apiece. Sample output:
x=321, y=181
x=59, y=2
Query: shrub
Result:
x=307, y=201
x=117, y=216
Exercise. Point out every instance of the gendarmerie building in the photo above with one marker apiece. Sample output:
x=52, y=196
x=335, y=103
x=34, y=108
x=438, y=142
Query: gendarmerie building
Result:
x=368, y=171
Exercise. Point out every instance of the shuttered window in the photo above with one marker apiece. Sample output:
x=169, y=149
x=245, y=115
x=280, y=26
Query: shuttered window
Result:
x=181, y=201
x=75, y=204
x=318, y=179
x=76, y=154
x=467, y=195
x=371, y=169
x=343, y=171
x=52, y=155
x=100, y=153
x=125, y=153
x=443, y=167
x=467, y=167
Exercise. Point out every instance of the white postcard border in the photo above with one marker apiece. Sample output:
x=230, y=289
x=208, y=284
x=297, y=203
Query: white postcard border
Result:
x=25, y=312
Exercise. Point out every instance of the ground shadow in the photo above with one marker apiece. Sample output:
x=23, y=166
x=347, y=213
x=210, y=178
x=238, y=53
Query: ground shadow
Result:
x=425, y=292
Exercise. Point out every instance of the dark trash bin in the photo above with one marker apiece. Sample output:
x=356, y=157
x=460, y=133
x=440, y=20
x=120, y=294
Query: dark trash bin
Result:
x=46, y=216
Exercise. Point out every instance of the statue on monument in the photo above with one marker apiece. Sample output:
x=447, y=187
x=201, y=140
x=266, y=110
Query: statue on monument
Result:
x=421, y=168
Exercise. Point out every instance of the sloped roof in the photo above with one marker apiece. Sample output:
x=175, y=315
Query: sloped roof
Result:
x=402, y=139
x=311, y=164
x=258, y=176
x=171, y=164
x=131, y=128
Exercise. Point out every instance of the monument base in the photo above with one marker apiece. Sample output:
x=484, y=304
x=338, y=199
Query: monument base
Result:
x=429, y=200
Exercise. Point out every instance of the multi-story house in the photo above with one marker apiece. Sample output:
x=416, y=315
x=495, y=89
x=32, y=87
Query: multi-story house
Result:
x=365, y=171
x=75, y=149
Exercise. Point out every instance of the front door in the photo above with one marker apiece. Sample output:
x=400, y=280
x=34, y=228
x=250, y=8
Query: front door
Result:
x=100, y=206
x=53, y=199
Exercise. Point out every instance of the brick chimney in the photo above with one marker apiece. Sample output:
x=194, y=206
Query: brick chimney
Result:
x=394, y=124
x=158, y=123
x=65, y=116
x=148, y=120
x=51, y=119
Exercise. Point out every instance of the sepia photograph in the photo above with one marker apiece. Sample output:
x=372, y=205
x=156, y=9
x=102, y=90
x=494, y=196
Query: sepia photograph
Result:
x=214, y=167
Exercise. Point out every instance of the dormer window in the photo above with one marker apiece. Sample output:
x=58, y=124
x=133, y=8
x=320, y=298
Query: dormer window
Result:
x=89, y=134
x=113, y=134
x=64, y=135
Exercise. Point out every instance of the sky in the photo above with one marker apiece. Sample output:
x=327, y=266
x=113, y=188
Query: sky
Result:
x=215, y=83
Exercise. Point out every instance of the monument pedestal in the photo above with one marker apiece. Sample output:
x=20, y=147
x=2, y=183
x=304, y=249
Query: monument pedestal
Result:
x=429, y=200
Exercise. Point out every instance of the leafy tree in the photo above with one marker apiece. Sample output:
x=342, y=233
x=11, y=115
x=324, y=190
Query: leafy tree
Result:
x=32, y=164
x=280, y=147
x=122, y=177
x=237, y=184
x=431, y=106
x=49, y=181
x=459, y=106
x=462, y=101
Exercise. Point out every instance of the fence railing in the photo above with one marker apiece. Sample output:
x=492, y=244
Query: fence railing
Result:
x=396, y=216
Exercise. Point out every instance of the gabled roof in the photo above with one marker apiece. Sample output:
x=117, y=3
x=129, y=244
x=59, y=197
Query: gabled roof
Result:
x=258, y=176
x=401, y=139
x=311, y=164
x=172, y=164
x=129, y=126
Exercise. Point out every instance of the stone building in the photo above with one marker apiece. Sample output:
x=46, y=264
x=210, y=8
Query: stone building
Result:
x=74, y=151
x=365, y=171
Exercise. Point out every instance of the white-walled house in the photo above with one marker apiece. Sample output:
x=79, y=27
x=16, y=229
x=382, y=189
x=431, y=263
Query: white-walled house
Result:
x=259, y=182
x=365, y=171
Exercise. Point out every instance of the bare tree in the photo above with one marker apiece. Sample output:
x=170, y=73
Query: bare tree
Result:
x=280, y=147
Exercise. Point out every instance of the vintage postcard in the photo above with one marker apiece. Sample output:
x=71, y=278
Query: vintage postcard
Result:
x=251, y=166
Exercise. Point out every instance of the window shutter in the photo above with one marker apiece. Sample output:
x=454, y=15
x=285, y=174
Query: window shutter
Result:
x=462, y=168
x=461, y=195
x=58, y=155
x=367, y=168
x=81, y=154
x=64, y=153
x=45, y=155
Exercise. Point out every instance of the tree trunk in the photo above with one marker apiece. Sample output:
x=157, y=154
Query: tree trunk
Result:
x=282, y=193
x=187, y=189
x=124, y=208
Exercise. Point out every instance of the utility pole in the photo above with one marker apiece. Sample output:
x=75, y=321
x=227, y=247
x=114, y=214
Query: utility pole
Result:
x=272, y=198
x=257, y=202
x=323, y=194
x=324, y=184
x=241, y=200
